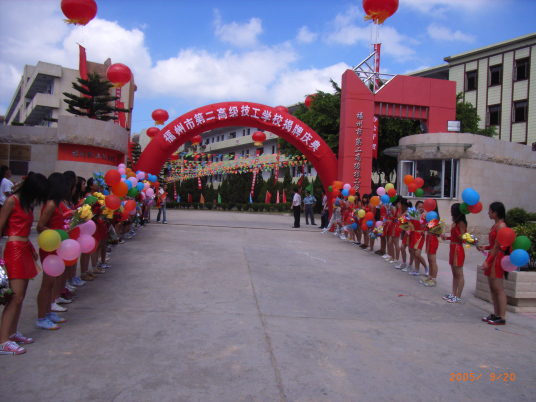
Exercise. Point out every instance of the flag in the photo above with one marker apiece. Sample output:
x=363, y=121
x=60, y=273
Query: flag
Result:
x=268, y=196
x=219, y=198
x=300, y=182
x=189, y=197
x=250, y=201
x=284, y=197
x=199, y=186
x=309, y=188
x=82, y=64
x=277, y=199
x=202, y=199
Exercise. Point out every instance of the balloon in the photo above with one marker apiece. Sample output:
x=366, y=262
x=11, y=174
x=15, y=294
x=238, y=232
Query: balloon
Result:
x=129, y=185
x=130, y=205
x=361, y=213
x=149, y=192
x=521, y=243
x=49, y=240
x=345, y=193
x=470, y=196
x=140, y=175
x=351, y=198
x=79, y=12
x=464, y=208
x=506, y=237
x=375, y=201
x=519, y=257
x=408, y=179
x=337, y=184
x=364, y=226
x=75, y=233
x=379, y=224
x=146, y=186
x=70, y=263
x=113, y=202
x=335, y=192
x=105, y=192
x=370, y=223
x=391, y=192
x=507, y=264
x=385, y=198
x=380, y=191
x=475, y=209
x=53, y=265
x=430, y=216
x=352, y=191
x=347, y=186
x=412, y=187
x=133, y=212
x=112, y=177
x=120, y=189
x=133, y=181
x=121, y=166
x=353, y=225
x=369, y=216
x=122, y=171
x=139, y=186
x=131, y=175
x=392, y=199
x=87, y=243
x=419, y=192
x=389, y=186
x=68, y=250
x=63, y=234
x=419, y=182
x=133, y=192
x=330, y=189
x=430, y=205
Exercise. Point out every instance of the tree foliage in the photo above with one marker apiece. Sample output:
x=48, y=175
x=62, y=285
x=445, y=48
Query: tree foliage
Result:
x=469, y=119
x=95, y=101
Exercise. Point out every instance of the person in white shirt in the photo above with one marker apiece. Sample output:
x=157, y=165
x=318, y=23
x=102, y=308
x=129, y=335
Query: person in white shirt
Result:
x=5, y=184
x=296, y=207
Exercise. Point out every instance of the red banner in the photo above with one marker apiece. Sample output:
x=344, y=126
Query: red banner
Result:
x=89, y=154
x=199, y=186
x=377, y=47
x=117, y=102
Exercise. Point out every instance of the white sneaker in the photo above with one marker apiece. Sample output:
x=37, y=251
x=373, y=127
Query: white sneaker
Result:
x=324, y=231
x=368, y=249
x=407, y=268
x=394, y=261
x=426, y=271
x=414, y=273
x=386, y=256
x=70, y=287
x=57, y=308
x=342, y=237
x=61, y=300
x=401, y=266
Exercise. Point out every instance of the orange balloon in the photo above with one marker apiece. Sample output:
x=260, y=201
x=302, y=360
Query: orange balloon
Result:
x=120, y=189
x=128, y=170
x=375, y=201
x=408, y=179
x=337, y=184
x=131, y=174
x=70, y=263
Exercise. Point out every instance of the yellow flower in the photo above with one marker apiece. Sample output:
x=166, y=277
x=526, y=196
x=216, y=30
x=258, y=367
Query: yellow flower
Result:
x=84, y=214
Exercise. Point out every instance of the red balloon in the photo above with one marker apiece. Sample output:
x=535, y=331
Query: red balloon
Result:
x=379, y=10
x=156, y=184
x=336, y=192
x=112, y=177
x=412, y=187
x=159, y=116
x=475, y=209
x=258, y=137
x=309, y=100
x=79, y=12
x=364, y=225
x=118, y=74
x=130, y=205
x=430, y=205
x=369, y=216
x=75, y=233
x=391, y=192
x=151, y=132
x=71, y=262
x=113, y=201
x=196, y=140
x=125, y=215
x=281, y=109
x=352, y=191
x=419, y=182
x=506, y=237
x=120, y=189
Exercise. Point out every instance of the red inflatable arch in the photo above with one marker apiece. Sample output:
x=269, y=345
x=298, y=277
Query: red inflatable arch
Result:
x=247, y=114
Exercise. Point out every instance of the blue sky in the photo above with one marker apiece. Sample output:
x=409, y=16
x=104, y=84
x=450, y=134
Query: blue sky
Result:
x=187, y=54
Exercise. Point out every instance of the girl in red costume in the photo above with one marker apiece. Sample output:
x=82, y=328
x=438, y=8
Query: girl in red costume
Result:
x=492, y=266
x=457, y=253
x=432, y=244
x=417, y=240
x=394, y=232
x=16, y=218
x=366, y=207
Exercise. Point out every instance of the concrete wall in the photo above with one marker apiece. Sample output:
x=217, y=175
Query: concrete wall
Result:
x=497, y=170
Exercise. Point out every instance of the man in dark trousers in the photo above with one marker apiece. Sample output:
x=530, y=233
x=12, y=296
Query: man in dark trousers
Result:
x=309, y=203
x=296, y=206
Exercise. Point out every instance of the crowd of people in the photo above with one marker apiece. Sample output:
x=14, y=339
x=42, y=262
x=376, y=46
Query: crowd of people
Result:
x=403, y=245
x=58, y=195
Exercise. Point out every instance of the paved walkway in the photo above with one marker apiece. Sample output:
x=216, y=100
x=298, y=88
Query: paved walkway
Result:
x=223, y=306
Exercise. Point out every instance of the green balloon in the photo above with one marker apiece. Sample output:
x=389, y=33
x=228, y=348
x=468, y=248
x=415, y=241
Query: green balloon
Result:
x=63, y=234
x=419, y=192
x=133, y=192
x=392, y=199
x=90, y=200
x=464, y=208
x=330, y=189
x=521, y=242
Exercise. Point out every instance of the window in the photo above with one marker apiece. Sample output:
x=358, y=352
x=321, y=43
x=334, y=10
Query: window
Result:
x=247, y=153
x=494, y=115
x=495, y=75
x=273, y=149
x=519, y=112
x=260, y=151
x=249, y=130
x=218, y=139
x=471, y=80
x=213, y=140
x=207, y=141
x=440, y=177
x=232, y=135
x=521, y=69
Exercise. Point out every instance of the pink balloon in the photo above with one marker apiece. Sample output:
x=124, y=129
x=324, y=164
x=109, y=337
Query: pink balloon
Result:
x=146, y=186
x=143, y=196
x=121, y=166
x=149, y=192
x=69, y=250
x=380, y=191
x=134, y=181
x=122, y=171
x=87, y=243
x=379, y=223
x=347, y=186
x=53, y=265
x=141, y=175
x=507, y=265
x=133, y=212
x=88, y=228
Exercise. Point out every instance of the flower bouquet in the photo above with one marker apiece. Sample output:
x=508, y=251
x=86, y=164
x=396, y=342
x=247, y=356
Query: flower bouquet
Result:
x=82, y=215
x=5, y=291
x=470, y=239
x=404, y=223
x=99, y=178
x=376, y=232
x=435, y=226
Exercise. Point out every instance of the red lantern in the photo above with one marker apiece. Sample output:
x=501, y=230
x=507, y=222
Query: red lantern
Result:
x=258, y=137
x=118, y=74
x=309, y=100
x=79, y=12
x=160, y=116
x=151, y=132
x=379, y=10
x=196, y=140
x=281, y=109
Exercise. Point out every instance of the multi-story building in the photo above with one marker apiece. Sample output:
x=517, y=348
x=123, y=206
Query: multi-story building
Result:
x=500, y=82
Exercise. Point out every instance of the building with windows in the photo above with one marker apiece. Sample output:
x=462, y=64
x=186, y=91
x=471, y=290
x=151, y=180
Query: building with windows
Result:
x=500, y=82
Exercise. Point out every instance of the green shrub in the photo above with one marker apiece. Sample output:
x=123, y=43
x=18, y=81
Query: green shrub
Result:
x=518, y=216
x=218, y=205
x=529, y=230
x=255, y=206
x=267, y=207
x=231, y=205
x=245, y=207
x=208, y=206
x=239, y=207
x=280, y=207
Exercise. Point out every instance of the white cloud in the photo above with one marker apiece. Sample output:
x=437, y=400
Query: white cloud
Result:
x=439, y=7
x=438, y=32
x=241, y=35
x=305, y=35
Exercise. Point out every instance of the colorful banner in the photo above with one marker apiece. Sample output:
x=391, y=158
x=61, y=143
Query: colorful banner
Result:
x=89, y=154
x=375, y=128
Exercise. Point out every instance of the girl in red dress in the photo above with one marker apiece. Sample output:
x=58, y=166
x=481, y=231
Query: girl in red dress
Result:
x=405, y=205
x=16, y=218
x=492, y=266
x=366, y=207
x=395, y=229
x=457, y=253
x=432, y=244
x=357, y=207
x=417, y=241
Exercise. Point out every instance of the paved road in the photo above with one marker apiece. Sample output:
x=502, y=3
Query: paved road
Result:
x=223, y=306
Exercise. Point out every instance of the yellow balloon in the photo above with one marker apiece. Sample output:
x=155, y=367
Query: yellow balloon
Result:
x=361, y=213
x=389, y=186
x=49, y=240
x=351, y=198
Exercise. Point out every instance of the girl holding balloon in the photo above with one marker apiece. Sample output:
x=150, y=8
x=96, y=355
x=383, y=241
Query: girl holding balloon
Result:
x=417, y=241
x=432, y=244
x=493, y=265
x=16, y=218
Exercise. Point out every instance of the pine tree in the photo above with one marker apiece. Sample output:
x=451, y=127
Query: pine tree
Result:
x=95, y=100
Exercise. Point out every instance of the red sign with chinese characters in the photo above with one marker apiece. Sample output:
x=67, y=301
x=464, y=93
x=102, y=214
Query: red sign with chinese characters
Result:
x=89, y=154
x=375, y=133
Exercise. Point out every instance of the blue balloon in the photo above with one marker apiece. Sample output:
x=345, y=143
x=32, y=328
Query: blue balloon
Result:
x=430, y=216
x=129, y=184
x=519, y=257
x=123, y=176
x=139, y=186
x=370, y=223
x=105, y=192
x=345, y=193
x=353, y=225
x=470, y=196
x=385, y=199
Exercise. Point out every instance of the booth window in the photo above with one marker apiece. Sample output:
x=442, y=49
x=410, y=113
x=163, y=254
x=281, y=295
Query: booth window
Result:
x=440, y=177
x=470, y=80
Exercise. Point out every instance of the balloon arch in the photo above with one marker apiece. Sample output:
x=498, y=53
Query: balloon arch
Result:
x=245, y=114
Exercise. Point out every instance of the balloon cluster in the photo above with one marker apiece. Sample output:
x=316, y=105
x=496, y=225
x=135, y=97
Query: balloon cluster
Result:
x=471, y=202
x=414, y=185
x=346, y=190
x=519, y=247
x=387, y=194
x=125, y=182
